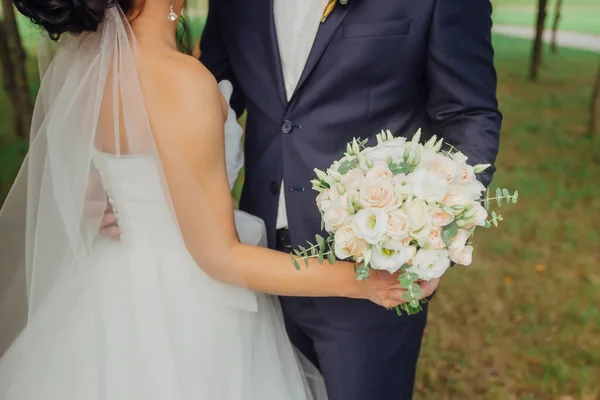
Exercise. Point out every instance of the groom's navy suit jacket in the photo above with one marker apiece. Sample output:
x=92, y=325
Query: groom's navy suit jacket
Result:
x=375, y=64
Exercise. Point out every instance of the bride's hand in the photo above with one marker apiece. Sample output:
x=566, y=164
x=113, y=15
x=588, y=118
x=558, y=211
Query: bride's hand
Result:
x=381, y=288
x=108, y=225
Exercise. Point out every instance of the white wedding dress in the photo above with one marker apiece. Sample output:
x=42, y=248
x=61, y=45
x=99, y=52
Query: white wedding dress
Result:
x=139, y=320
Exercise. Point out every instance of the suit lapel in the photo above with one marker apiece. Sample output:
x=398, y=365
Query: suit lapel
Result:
x=324, y=36
x=275, y=62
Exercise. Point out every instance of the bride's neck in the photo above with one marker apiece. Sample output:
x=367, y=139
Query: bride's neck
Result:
x=152, y=23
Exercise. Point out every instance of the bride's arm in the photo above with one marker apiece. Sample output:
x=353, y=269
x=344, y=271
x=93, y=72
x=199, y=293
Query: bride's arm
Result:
x=193, y=158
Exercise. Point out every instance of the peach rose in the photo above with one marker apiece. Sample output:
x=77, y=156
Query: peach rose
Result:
x=379, y=195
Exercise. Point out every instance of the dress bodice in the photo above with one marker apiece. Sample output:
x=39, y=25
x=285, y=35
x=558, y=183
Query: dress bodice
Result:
x=138, y=193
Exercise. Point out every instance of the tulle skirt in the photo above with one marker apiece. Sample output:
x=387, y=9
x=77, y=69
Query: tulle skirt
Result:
x=139, y=321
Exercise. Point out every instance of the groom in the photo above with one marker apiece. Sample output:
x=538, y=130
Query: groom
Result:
x=309, y=87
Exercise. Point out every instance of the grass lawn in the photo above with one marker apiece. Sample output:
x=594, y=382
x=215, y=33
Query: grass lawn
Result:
x=577, y=15
x=524, y=321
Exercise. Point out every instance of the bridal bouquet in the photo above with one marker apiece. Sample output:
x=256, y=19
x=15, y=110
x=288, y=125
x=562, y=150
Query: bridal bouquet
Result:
x=401, y=206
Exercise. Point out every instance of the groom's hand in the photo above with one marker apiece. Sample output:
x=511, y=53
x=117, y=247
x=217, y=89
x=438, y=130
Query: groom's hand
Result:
x=427, y=288
x=379, y=287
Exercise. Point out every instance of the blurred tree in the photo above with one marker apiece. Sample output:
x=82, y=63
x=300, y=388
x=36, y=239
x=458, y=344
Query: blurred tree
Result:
x=12, y=58
x=595, y=116
x=557, y=8
x=536, y=53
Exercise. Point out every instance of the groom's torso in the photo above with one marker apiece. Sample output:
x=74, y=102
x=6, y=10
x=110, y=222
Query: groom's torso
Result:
x=365, y=72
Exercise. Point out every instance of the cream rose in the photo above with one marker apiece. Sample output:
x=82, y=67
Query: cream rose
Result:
x=439, y=164
x=335, y=216
x=464, y=174
x=460, y=240
x=371, y=226
x=462, y=256
x=430, y=264
x=379, y=172
x=347, y=244
x=456, y=197
x=480, y=215
x=323, y=200
x=418, y=215
x=397, y=225
x=428, y=186
x=353, y=179
x=434, y=240
x=439, y=217
x=379, y=195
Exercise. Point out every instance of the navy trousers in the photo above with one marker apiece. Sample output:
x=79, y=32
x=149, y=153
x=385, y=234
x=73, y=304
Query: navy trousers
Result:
x=366, y=363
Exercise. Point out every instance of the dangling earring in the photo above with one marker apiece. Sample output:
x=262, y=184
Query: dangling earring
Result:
x=172, y=14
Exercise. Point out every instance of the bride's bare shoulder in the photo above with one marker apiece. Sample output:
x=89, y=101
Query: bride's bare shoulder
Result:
x=187, y=93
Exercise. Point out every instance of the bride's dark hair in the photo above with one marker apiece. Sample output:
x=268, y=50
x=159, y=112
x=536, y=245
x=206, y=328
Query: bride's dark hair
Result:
x=69, y=16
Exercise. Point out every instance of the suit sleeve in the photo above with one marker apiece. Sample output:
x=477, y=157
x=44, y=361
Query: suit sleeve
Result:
x=214, y=55
x=462, y=102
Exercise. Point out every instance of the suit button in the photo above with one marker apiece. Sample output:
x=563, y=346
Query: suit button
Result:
x=287, y=127
x=274, y=187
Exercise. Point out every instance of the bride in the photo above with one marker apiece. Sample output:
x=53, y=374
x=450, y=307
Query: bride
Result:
x=174, y=309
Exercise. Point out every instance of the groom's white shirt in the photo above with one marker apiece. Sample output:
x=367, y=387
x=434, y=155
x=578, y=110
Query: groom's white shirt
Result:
x=296, y=25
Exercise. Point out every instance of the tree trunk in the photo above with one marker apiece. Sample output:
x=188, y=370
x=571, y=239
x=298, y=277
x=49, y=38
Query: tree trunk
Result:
x=22, y=108
x=557, y=9
x=595, y=116
x=536, y=54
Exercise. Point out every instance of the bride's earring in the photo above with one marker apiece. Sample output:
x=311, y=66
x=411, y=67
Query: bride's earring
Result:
x=172, y=14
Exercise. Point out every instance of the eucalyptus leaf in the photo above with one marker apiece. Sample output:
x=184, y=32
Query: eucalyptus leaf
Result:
x=407, y=296
x=499, y=197
x=449, y=232
x=406, y=283
x=296, y=264
x=412, y=276
x=331, y=257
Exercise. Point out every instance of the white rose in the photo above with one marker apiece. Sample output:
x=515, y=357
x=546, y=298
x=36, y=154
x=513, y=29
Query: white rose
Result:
x=434, y=240
x=371, y=226
x=439, y=217
x=353, y=179
x=475, y=190
x=460, y=240
x=462, y=256
x=428, y=186
x=459, y=157
x=464, y=174
x=390, y=260
x=335, y=216
x=379, y=195
x=397, y=143
x=430, y=264
x=418, y=215
x=379, y=172
x=323, y=200
x=380, y=154
x=439, y=164
x=347, y=244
